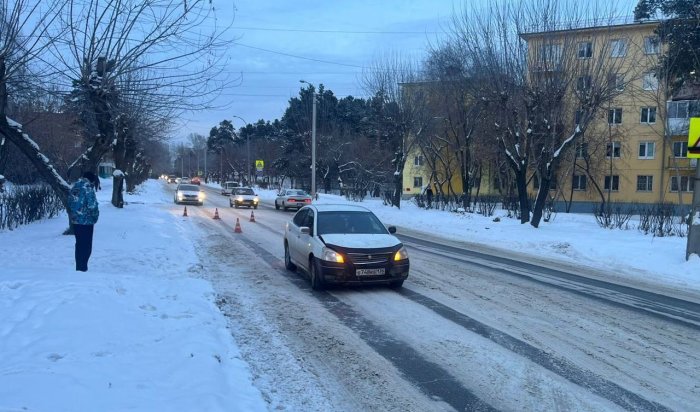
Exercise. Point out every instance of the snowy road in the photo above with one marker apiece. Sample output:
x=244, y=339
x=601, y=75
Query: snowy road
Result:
x=466, y=333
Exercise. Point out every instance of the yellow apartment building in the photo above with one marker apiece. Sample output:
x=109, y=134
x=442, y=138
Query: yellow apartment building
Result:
x=635, y=149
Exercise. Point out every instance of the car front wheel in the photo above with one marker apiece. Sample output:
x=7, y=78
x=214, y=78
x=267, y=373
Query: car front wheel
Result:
x=288, y=259
x=396, y=285
x=315, y=274
x=277, y=207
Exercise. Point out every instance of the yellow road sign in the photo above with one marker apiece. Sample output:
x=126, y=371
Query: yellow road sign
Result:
x=694, y=138
x=259, y=165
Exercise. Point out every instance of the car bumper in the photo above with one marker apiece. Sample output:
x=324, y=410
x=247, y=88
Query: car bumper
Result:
x=245, y=203
x=191, y=201
x=344, y=274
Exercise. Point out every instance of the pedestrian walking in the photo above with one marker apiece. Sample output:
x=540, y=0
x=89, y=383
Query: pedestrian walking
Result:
x=429, y=197
x=84, y=213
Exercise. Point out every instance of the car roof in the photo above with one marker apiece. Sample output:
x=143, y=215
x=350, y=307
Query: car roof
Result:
x=338, y=208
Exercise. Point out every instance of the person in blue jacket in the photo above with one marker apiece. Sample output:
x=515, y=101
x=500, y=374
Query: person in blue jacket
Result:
x=84, y=213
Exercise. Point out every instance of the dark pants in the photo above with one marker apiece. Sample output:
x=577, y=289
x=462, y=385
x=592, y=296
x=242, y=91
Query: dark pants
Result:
x=83, y=246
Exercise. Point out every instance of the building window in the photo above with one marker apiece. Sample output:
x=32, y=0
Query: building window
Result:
x=650, y=82
x=612, y=183
x=582, y=150
x=613, y=149
x=583, y=83
x=579, y=182
x=646, y=150
x=683, y=109
x=615, y=116
x=680, y=149
x=585, y=50
x=618, y=48
x=686, y=183
x=417, y=181
x=651, y=45
x=418, y=160
x=550, y=54
x=616, y=82
x=644, y=183
x=648, y=115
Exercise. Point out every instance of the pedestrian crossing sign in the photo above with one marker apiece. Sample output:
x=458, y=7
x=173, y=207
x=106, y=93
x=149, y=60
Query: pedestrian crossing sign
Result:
x=694, y=138
x=259, y=165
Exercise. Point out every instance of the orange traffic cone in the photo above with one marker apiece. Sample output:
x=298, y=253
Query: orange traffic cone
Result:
x=252, y=216
x=238, y=227
x=185, y=212
x=216, y=214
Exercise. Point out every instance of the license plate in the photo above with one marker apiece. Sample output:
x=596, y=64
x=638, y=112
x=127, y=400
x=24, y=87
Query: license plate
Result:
x=369, y=272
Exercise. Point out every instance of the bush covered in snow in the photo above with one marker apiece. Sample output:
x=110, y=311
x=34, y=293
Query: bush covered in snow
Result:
x=26, y=204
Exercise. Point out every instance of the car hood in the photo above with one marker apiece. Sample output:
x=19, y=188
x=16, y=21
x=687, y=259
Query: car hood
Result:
x=245, y=197
x=360, y=240
x=189, y=192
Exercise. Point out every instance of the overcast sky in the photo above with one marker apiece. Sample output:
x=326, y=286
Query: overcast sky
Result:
x=321, y=41
x=318, y=41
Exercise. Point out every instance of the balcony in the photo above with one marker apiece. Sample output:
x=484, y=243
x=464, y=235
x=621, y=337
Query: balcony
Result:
x=679, y=114
x=683, y=163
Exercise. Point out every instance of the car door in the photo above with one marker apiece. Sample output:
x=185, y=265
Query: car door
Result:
x=306, y=240
x=293, y=234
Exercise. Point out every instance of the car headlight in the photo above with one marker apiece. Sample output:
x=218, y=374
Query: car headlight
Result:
x=401, y=254
x=331, y=255
x=201, y=195
x=179, y=195
x=239, y=199
x=255, y=200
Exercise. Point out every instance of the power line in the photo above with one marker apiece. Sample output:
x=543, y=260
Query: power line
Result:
x=299, y=57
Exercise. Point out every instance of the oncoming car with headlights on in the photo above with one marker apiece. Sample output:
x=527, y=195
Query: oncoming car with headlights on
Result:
x=189, y=193
x=243, y=196
x=344, y=244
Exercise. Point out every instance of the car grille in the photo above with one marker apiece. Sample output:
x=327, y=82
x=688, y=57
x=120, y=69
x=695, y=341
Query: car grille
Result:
x=369, y=258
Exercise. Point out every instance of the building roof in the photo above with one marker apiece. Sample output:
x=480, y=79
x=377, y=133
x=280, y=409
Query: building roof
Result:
x=588, y=26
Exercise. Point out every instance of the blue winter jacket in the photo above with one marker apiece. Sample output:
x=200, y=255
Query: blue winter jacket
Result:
x=83, y=203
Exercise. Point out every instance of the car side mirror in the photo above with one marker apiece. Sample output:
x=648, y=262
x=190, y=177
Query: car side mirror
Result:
x=305, y=230
x=392, y=229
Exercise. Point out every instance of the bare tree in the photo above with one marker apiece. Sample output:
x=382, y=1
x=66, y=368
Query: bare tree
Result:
x=25, y=34
x=404, y=115
x=543, y=96
x=145, y=54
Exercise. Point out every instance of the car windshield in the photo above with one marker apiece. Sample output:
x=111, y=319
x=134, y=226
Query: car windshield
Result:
x=349, y=222
x=296, y=193
x=190, y=188
x=246, y=191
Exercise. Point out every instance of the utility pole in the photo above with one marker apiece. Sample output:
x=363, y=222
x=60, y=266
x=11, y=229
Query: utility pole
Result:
x=313, y=140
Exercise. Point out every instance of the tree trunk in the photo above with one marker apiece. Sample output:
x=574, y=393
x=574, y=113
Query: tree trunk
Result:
x=118, y=190
x=523, y=200
x=540, y=200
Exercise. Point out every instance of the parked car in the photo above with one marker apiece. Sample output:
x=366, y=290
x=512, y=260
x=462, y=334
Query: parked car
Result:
x=243, y=196
x=189, y=193
x=344, y=244
x=292, y=198
x=226, y=187
x=172, y=178
x=185, y=180
x=196, y=180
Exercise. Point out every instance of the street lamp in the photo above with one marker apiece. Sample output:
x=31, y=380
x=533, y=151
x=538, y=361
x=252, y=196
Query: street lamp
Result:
x=247, y=167
x=313, y=141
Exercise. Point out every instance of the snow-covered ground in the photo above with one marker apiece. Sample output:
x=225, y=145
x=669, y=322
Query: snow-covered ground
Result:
x=141, y=331
x=573, y=238
x=136, y=332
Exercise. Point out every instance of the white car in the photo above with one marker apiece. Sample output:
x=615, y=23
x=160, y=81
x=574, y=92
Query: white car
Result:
x=344, y=244
x=187, y=193
x=243, y=196
x=292, y=198
x=227, y=187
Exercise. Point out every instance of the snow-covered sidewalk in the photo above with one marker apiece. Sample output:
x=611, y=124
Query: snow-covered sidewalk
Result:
x=136, y=332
